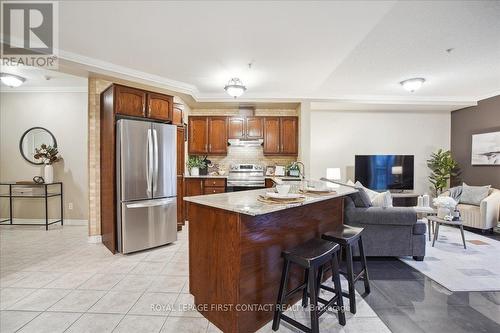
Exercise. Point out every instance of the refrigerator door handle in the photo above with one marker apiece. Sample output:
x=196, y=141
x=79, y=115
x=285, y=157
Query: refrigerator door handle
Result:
x=151, y=203
x=155, y=160
x=149, y=163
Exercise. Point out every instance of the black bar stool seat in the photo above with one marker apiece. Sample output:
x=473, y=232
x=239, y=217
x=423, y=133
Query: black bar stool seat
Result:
x=347, y=237
x=311, y=256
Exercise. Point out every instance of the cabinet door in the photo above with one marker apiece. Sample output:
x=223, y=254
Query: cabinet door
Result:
x=217, y=137
x=130, y=101
x=177, y=116
x=289, y=135
x=180, y=151
x=198, y=135
x=272, y=135
x=236, y=128
x=180, y=202
x=193, y=186
x=254, y=127
x=160, y=106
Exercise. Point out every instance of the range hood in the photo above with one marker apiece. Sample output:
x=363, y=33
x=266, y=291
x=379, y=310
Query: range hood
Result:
x=245, y=142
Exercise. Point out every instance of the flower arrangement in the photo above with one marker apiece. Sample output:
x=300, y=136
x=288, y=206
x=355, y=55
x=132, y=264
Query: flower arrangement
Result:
x=445, y=202
x=48, y=154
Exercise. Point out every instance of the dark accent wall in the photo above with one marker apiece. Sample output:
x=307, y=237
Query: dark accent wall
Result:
x=485, y=117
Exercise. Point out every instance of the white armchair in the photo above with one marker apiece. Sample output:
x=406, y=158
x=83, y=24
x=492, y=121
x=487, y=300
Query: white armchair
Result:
x=485, y=216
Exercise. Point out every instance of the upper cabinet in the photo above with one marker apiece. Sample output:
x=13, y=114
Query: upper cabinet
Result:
x=177, y=117
x=140, y=103
x=207, y=135
x=160, y=107
x=254, y=127
x=217, y=135
x=281, y=136
x=236, y=128
x=130, y=101
x=198, y=135
x=245, y=127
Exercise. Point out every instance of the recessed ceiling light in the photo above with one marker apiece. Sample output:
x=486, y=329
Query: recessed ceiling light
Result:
x=11, y=80
x=235, y=87
x=412, y=85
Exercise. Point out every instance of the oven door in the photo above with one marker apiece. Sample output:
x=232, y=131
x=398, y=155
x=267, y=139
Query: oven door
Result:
x=244, y=185
x=242, y=188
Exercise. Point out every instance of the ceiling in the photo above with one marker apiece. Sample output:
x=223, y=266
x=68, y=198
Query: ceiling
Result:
x=39, y=80
x=320, y=50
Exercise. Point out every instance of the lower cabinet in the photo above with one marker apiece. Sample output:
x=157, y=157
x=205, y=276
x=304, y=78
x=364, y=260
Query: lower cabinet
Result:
x=201, y=186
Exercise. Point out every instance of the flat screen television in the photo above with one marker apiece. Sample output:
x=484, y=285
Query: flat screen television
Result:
x=384, y=172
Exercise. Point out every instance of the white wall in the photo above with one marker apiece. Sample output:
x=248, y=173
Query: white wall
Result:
x=336, y=137
x=65, y=115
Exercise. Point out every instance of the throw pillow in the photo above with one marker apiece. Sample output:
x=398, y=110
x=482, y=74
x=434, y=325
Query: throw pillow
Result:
x=371, y=193
x=360, y=198
x=383, y=200
x=473, y=195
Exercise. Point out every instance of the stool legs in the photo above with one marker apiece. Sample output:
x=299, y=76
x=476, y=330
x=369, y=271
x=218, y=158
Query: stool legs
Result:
x=304, y=292
x=350, y=279
x=338, y=289
x=366, y=279
x=281, y=296
x=313, y=293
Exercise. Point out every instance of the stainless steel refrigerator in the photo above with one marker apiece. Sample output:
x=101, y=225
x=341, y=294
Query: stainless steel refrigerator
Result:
x=146, y=184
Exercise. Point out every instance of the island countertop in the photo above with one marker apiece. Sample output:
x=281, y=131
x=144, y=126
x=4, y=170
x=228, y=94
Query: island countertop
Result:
x=246, y=202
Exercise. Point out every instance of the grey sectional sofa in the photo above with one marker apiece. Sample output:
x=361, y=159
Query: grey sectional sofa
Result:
x=392, y=232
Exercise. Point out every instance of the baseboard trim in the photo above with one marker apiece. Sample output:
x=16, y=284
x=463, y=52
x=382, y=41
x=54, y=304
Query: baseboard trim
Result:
x=96, y=239
x=42, y=221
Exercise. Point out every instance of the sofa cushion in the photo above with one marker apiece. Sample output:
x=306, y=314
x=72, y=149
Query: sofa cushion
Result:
x=473, y=195
x=383, y=200
x=419, y=228
x=361, y=199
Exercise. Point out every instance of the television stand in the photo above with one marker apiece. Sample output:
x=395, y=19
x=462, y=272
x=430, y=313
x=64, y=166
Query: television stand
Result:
x=404, y=199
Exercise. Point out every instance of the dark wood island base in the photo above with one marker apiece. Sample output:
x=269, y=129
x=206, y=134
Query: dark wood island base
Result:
x=235, y=259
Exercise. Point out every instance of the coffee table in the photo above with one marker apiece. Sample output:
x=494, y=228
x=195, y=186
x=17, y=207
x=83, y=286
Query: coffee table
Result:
x=438, y=221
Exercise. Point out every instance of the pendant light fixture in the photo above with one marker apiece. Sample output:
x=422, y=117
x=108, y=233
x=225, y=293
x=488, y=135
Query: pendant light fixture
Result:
x=235, y=87
x=11, y=80
x=412, y=85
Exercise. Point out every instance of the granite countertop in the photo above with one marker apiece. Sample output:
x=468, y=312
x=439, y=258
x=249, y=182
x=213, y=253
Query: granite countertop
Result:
x=246, y=202
x=205, y=176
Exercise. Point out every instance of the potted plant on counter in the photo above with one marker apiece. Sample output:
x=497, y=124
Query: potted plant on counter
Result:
x=48, y=155
x=194, y=164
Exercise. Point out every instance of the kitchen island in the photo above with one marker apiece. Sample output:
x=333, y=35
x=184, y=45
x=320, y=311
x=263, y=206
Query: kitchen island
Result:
x=235, y=245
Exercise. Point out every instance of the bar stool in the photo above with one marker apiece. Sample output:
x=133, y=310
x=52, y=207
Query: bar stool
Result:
x=311, y=256
x=346, y=237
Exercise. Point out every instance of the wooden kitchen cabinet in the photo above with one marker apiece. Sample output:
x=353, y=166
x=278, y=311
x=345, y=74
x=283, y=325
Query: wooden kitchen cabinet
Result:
x=236, y=128
x=160, y=107
x=217, y=135
x=207, y=135
x=193, y=186
x=272, y=144
x=180, y=177
x=281, y=136
x=198, y=135
x=289, y=135
x=254, y=127
x=177, y=115
x=129, y=101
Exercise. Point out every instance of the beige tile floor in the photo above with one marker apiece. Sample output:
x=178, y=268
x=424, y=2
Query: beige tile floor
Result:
x=54, y=281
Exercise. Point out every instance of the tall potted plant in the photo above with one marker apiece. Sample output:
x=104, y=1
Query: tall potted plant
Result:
x=443, y=167
x=49, y=155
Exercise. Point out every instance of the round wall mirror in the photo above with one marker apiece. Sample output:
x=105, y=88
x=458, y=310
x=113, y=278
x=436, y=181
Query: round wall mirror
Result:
x=34, y=138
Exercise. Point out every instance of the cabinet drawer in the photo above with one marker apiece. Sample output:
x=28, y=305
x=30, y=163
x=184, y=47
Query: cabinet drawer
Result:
x=216, y=182
x=212, y=190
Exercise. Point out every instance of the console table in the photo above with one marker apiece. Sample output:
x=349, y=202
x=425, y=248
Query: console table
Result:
x=40, y=191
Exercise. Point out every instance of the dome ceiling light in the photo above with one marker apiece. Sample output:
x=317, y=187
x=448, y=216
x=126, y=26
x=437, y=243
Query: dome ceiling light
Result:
x=11, y=80
x=235, y=87
x=412, y=85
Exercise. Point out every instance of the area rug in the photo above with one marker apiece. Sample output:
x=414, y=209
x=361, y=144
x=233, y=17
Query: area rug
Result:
x=476, y=268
